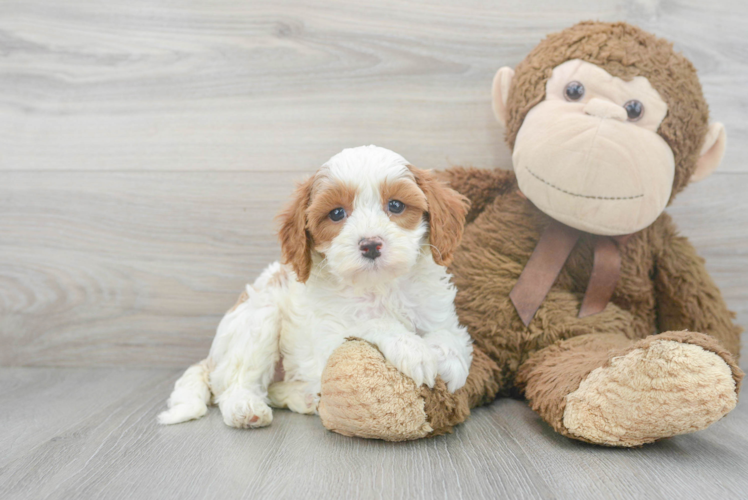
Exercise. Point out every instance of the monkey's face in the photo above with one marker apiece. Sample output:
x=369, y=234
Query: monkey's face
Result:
x=589, y=154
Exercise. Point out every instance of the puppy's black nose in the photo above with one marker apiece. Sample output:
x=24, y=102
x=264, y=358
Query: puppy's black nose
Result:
x=370, y=247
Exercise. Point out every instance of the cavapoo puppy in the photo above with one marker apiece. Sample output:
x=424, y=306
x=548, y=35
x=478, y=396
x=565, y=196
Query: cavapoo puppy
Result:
x=364, y=245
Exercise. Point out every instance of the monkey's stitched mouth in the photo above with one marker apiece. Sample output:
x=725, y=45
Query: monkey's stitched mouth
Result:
x=582, y=195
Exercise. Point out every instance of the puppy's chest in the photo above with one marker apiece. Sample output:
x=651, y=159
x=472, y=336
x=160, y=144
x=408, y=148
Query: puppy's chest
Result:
x=368, y=307
x=329, y=314
x=398, y=309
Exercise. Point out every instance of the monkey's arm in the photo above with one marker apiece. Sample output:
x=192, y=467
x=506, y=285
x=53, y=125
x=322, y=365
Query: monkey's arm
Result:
x=479, y=185
x=687, y=298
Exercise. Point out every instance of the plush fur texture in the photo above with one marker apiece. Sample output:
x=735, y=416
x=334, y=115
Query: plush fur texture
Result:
x=386, y=393
x=624, y=51
x=364, y=395
x=655, y=390
x=400, y=300
x=663, y=285
x=657, y=387
x=584, y=163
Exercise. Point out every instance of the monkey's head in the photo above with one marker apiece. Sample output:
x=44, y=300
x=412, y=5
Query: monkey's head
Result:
x=606, y=123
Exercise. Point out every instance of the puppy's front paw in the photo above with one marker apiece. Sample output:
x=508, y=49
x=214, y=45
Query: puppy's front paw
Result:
x=452, y=367
x=412, y=356
x=243, y=409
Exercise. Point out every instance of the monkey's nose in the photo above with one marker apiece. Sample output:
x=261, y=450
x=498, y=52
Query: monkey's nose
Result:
x=605, y=109
x=370, y=247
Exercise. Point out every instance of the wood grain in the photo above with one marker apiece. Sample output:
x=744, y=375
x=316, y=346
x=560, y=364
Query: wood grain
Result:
x=283, y=85
x=137, y=268
x=144, y=148
x=105, y=268
x=113, y=449
x=39, y=405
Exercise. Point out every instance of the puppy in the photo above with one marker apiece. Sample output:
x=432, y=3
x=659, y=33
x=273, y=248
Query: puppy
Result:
x=364, y=245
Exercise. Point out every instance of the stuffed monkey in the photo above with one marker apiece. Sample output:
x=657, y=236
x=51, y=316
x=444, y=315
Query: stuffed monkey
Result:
x=574, y=284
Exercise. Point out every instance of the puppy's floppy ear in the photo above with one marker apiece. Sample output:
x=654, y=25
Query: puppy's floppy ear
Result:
x=446, y=212
x=296, y=243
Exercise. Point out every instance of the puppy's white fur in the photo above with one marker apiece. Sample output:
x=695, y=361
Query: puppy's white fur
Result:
x=402, y=302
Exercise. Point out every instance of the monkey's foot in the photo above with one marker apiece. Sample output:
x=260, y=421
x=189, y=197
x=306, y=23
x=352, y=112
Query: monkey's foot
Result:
x=665, y=385
x=364, y=395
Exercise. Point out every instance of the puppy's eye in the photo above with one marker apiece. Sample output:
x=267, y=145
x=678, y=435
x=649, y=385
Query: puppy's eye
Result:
x=574, y=91
x=634, y=109
x=337, y=214
x=396, y=206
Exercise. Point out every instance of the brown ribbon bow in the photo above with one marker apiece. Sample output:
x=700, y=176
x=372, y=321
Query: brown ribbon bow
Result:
x=547, y=260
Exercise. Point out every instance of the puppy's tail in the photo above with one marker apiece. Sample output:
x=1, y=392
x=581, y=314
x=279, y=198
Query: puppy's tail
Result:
x=190, y=397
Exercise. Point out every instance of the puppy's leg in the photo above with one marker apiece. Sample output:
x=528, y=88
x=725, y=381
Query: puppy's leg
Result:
x=410, y=354
x=454, y=353
x=246, y=351
x=244, y=408
x=298, y=396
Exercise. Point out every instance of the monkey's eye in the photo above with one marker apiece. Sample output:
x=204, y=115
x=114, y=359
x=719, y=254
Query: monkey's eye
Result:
x=634, y=109
x=337, y=214
x=396, y=206
x=574, y=91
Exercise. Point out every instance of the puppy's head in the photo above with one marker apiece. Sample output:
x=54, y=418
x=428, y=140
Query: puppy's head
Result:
x=367, y=216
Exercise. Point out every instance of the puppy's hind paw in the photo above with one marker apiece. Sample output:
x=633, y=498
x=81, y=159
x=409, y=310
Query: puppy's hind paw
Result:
x=244, y=410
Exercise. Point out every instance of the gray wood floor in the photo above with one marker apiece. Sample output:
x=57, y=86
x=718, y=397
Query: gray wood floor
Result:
x=144, y=149
x=91, y=433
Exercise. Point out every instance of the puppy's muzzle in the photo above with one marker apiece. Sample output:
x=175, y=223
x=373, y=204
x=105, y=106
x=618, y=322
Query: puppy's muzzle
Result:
x=371, y=247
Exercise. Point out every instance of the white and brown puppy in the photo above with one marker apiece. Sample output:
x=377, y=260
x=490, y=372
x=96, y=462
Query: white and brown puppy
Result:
x=364, y=245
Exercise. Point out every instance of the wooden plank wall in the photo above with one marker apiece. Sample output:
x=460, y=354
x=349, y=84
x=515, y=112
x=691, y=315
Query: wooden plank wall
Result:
x=145, y=146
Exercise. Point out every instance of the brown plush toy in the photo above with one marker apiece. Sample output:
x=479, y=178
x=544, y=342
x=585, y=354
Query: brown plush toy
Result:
x=574, y=284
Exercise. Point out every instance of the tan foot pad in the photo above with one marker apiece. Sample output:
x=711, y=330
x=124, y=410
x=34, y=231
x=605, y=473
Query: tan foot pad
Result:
x=364, y=395
x=652, y=393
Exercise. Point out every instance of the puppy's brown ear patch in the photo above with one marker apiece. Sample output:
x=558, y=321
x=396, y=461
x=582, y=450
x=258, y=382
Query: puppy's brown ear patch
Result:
x=295, y=241
x=446, y=211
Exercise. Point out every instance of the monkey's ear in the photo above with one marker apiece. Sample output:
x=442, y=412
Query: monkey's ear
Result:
x=500, y=93
x=711, y=153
